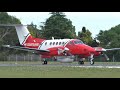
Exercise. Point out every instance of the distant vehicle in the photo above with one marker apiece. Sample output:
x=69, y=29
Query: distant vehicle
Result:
x=56, y=47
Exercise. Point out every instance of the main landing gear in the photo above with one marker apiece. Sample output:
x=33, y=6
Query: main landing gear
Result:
x=81, y=61
x=44, y=62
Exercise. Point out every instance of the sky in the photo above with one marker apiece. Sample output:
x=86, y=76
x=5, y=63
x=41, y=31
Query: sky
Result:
x=93, y=21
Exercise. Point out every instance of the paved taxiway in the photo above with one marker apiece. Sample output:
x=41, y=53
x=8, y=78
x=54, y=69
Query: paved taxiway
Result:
x=67, y=65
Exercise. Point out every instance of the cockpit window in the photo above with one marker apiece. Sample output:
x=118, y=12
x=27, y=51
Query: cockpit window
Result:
x=78, y=42
x=71, y=42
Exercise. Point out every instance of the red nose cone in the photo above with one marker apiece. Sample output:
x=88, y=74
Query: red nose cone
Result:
x=92, y=50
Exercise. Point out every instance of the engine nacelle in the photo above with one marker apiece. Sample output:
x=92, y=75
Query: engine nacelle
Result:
x=58, y=51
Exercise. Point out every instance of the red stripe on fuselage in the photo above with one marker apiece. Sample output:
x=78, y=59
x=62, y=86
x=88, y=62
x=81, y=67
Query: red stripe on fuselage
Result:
x=25, y=39
x=32, y=42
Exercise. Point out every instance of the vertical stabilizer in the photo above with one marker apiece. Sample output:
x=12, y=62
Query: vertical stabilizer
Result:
x=24, y=36
x=22, y=33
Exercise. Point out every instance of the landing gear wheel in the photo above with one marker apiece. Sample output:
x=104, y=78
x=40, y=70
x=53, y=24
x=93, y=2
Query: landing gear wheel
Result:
x=81, y=62
x=92, y=62
x=55, y=59
x=45, y=62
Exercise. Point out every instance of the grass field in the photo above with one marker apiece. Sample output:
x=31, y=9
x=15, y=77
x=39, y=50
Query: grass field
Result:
x=46, y=71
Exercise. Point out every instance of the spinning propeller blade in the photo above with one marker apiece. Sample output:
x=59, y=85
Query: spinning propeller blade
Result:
x=105, y=55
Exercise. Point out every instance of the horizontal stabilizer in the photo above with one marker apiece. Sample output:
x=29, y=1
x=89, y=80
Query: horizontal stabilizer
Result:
x=13, y=25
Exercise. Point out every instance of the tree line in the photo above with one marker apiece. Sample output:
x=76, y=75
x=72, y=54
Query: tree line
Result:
x=59, y=27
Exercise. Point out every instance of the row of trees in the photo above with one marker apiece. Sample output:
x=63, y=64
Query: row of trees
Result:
x=58, y=26
x=110, y=39
x=7, y=34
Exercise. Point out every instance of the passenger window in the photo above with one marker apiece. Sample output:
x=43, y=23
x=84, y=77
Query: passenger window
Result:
x=50, y=43
x=56, y=43
x=46, y=43
x=53, y=43
x=59, y=43
x=63, y=43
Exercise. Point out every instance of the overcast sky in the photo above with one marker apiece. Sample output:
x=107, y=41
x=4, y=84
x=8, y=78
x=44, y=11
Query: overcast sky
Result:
x=93, y=21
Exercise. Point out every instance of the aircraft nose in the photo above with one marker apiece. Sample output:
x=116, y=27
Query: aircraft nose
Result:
x=92, y=50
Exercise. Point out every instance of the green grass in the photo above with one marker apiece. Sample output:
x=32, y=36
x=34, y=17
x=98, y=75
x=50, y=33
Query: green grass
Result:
x=49, y=71
x=57, y=72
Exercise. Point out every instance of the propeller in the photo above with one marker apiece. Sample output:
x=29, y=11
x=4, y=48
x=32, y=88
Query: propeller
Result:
x=64, y=51
x=102, y=50
x=105, y=55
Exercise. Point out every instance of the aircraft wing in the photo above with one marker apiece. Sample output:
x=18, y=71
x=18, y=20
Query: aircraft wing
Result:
x=26, y=49
x=100, y=49
x=112, y=49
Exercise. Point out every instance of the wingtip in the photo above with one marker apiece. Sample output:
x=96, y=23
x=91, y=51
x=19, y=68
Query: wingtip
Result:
x=103, y=49
x=6, y=45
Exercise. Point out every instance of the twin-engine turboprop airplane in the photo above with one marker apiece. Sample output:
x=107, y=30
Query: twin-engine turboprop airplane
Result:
x=55, y=47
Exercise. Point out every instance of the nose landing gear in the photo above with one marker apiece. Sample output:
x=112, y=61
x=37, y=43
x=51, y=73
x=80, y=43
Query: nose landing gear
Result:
x=44, y=62
x=91, y=59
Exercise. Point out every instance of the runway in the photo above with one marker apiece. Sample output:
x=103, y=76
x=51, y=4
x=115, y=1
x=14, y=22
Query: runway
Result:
x=66, y=65
x=100, y=66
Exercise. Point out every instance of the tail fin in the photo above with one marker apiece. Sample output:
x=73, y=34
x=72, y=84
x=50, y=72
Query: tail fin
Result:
x=21, y=30
x=24, y=36
x=22, y=33
x=26, y=39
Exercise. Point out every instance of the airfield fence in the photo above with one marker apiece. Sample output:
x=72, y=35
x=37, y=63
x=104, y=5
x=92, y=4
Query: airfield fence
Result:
x=36, y=58
x=21, y=57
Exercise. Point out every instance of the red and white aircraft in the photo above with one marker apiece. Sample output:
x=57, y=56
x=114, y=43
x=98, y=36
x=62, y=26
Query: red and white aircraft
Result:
x=55, y=47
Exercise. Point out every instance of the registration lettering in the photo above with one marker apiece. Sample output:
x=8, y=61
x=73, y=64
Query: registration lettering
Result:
x=31, y=44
